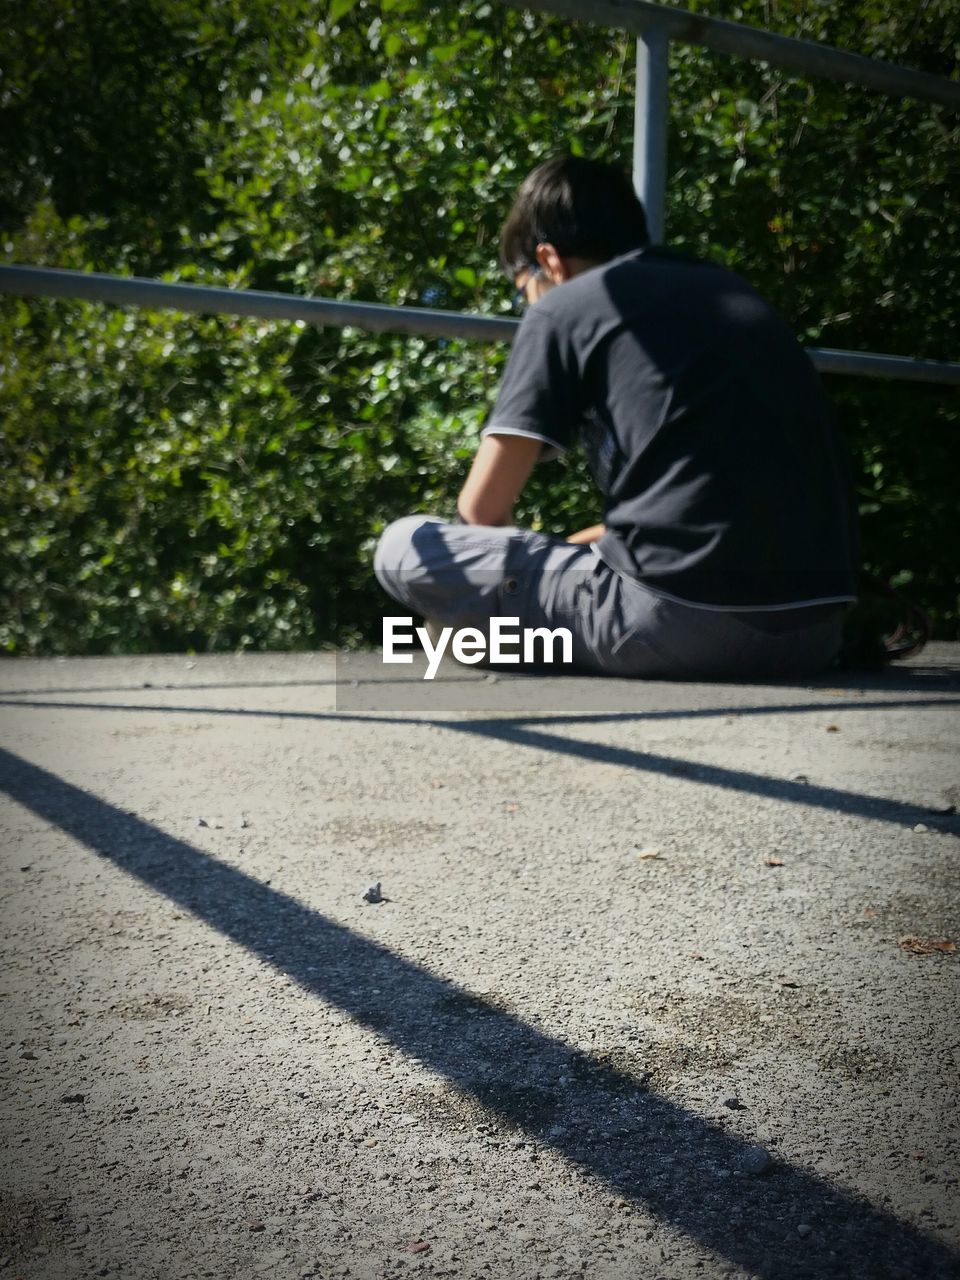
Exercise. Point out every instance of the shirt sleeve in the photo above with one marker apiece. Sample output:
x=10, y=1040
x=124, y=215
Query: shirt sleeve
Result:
x=539, y=394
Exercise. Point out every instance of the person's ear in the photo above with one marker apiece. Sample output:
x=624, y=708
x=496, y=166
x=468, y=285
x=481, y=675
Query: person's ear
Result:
x=551, y=264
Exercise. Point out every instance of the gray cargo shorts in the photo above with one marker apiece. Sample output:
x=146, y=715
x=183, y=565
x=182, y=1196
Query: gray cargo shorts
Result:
x=462, y=575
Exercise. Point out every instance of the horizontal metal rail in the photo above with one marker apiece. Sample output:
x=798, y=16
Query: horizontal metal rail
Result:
x=135, y=291
x=867, y=364
x=806, y=57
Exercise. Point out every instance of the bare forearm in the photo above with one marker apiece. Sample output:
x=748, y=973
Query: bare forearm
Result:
x=499, y=471
x=591, y=534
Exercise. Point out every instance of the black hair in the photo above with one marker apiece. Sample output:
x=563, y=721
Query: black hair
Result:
x=584, y=208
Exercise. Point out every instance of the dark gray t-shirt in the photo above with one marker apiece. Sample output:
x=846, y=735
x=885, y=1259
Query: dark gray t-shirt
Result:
x=705, y=427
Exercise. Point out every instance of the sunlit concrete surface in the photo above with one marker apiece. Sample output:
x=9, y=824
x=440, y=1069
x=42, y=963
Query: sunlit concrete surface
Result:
x=662, y=982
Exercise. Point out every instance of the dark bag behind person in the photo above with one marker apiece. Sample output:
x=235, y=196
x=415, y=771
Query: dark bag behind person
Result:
x=884, y=626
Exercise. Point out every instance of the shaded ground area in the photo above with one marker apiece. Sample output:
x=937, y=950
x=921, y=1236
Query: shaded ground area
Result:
x=663, y=982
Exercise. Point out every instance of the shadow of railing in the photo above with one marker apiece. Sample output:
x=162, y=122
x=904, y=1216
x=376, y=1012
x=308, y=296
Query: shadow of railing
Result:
x=916, y=677
x=599, y=1118
x=811, y=795
x=517, y=731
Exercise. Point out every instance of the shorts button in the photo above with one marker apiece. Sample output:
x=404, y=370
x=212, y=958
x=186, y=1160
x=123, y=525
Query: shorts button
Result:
x=510, y=586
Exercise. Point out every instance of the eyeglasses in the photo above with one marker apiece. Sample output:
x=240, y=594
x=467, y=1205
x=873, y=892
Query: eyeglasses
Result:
x=520, y=297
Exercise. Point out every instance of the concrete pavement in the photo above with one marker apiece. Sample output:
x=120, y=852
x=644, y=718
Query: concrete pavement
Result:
x=663, y=982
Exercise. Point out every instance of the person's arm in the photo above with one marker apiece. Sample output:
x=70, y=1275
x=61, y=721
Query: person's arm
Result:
x=535, y=417
x=500, y=469
x=593, y=533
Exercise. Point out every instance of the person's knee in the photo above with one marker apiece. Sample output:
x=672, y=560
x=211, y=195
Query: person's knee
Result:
x=396, y=557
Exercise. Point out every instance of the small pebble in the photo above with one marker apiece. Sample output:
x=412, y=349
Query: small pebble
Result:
x=202, y=822
x=28, y=1056
x=756, y=1161
x=803, y=1229
x=73, y=1097
x=921, y=827
x=373, y=893
x=734, y=1104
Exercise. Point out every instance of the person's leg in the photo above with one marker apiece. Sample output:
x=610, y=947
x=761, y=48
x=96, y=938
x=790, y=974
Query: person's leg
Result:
x=463, y=575
x=457, y=574
x=695, y=643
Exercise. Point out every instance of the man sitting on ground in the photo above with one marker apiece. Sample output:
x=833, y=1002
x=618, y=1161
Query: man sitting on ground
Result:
x=727, y=548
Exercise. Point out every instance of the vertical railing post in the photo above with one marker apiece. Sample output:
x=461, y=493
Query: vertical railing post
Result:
x=650, y=126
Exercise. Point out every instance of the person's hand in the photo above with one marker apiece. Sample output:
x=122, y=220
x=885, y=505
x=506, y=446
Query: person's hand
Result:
x=591, y=534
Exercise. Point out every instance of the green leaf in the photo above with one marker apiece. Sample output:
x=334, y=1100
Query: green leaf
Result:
x=339, y=9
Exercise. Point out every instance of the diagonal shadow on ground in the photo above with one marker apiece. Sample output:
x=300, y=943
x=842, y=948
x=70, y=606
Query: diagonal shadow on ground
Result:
x=514, y=730
x=833, y=799
x=916, y=678
x=606, y=1123
x=164, y=686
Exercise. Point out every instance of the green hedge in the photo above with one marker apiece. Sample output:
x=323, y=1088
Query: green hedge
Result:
x=171, y=481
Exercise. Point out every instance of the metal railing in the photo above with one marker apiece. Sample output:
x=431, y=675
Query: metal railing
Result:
x=806, y=57
x=135, y=291
x=655, y=26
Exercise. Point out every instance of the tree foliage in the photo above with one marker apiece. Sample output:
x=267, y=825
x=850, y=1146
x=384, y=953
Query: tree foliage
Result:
x=171, y=481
